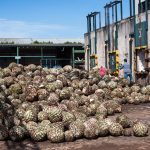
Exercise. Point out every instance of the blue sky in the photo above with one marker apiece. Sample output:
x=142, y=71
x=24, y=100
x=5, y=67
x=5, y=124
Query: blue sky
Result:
x=48, y=18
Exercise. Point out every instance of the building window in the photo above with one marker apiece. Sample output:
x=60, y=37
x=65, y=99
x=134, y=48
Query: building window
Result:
x=148, y=4
x=142, y=6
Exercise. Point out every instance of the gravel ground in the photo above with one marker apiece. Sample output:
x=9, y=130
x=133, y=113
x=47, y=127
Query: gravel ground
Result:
x=141, y=112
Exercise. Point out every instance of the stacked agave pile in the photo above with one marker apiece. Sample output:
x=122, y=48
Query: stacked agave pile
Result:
x=65, y=104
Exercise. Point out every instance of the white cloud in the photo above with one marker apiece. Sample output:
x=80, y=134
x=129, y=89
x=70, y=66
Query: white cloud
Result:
x=21, y=29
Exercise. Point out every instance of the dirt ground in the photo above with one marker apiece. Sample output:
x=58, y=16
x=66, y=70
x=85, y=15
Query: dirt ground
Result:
x=141, y=112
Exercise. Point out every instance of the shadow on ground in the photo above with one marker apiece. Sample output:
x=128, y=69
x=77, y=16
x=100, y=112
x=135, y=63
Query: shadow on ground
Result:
x=25, y=145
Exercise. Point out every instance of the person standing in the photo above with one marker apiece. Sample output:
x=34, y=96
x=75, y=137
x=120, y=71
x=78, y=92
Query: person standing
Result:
x=127, y=70
x=102, y=71
x=121, y=71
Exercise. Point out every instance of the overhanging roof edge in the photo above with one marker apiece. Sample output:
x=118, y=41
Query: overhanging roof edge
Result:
x=41, y=45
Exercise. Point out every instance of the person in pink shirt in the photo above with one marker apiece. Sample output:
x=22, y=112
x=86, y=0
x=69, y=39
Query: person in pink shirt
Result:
x=102, y=71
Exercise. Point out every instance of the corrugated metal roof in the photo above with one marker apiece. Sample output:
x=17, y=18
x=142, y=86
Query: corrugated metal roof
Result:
x=41, y=45
x=30, y=40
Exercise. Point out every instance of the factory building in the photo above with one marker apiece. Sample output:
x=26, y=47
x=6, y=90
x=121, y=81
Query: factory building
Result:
x=120, y=38
x=48, y=53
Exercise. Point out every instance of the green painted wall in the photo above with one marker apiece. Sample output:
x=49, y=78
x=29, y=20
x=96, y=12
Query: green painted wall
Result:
x=141, y=34
x=92, y=62
x=112, y=61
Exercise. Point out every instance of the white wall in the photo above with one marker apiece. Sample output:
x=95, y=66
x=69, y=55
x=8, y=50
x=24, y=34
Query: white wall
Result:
x=101, y=47
x=125, y=27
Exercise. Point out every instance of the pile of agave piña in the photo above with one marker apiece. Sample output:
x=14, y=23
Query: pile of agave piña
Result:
x=63, y=105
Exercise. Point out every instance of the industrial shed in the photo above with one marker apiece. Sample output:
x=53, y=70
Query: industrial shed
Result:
x=46, y=54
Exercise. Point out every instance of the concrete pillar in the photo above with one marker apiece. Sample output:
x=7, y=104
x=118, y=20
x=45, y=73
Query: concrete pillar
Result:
x=73, y=59
x=17, y=58
x=41, y=56
x=41, y=52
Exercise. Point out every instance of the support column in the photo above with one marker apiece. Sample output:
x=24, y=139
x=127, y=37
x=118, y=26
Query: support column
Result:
x=100, y=23
x=108, y=27
x=121, y=9
x=41, y=56
x=113, y=29
x=106, y=56
x=130, y=49
x=46, y=64
x=131, y=13
x=88, y=59
x=116, y=12
x=17, y=58
x=95, y=34
x=41, y=52
x=105, y=16
x=73, y=59
x=116, y=33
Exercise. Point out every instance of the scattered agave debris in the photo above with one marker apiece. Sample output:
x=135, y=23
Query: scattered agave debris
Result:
x=65, y=104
